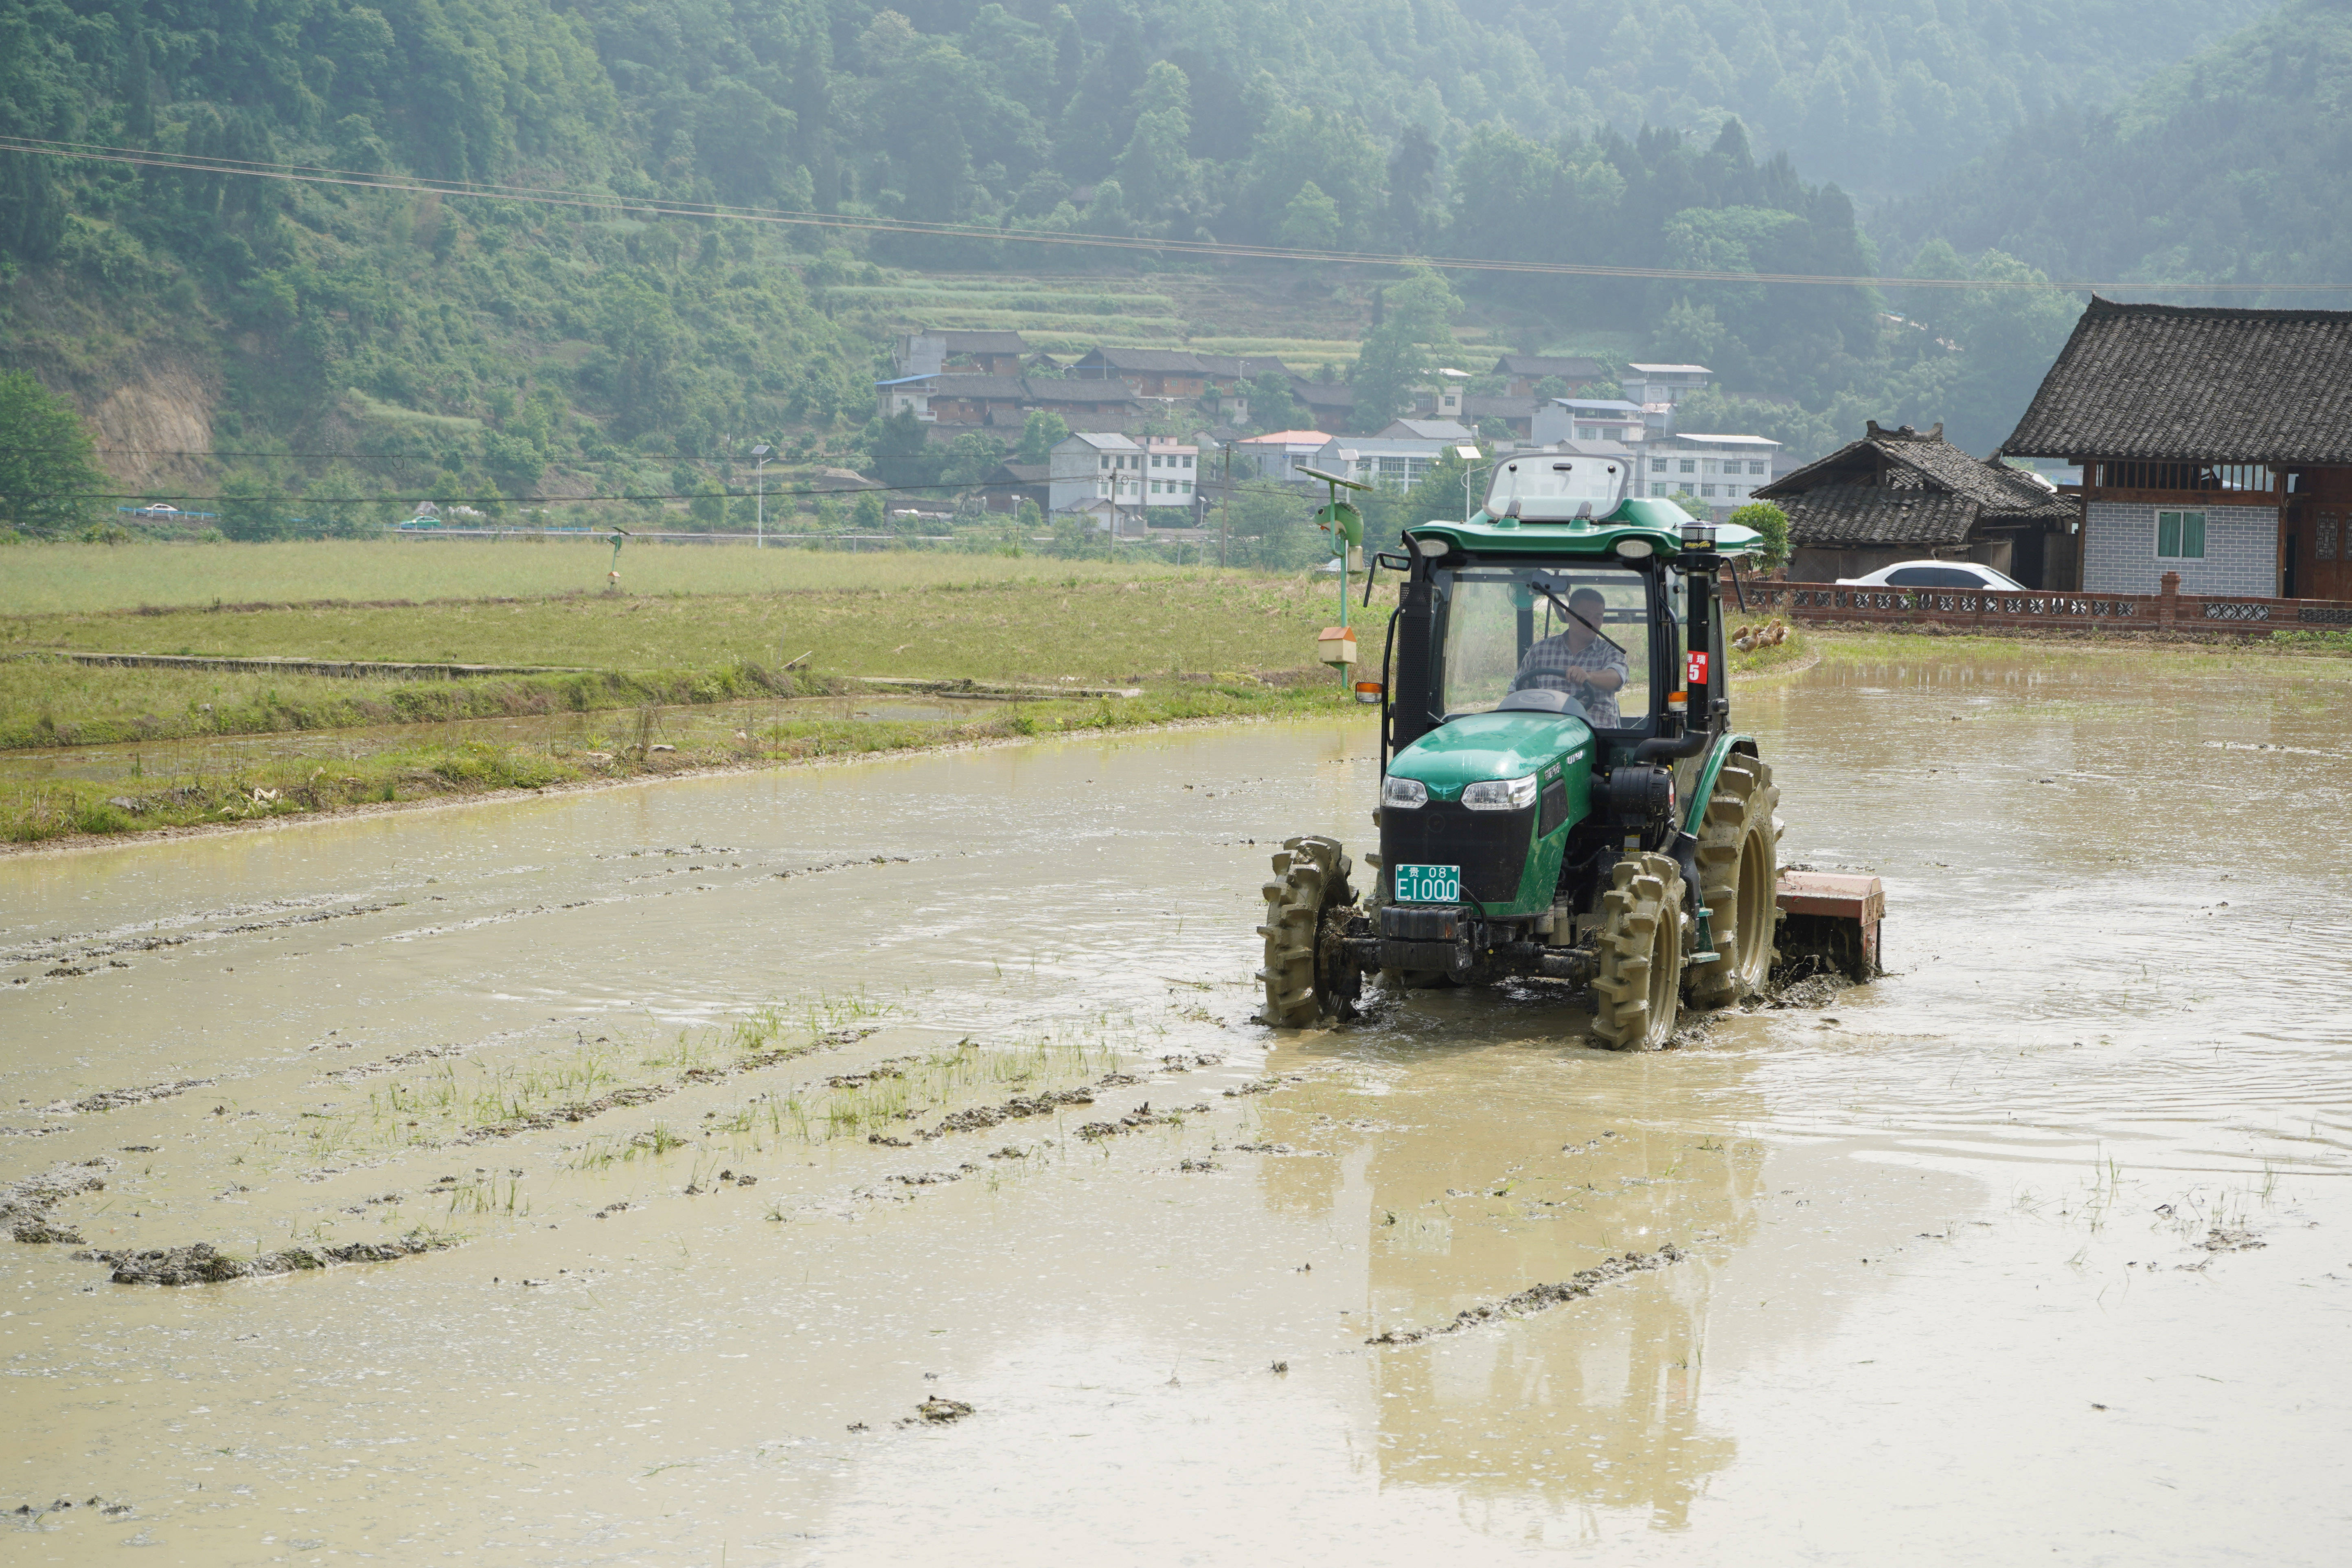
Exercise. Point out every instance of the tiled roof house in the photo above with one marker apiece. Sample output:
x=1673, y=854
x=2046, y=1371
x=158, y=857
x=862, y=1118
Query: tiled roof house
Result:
x=1904, y=494
x=2214, y=443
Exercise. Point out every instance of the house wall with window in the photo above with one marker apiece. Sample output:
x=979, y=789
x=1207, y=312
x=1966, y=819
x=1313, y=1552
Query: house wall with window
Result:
x=2128, y=546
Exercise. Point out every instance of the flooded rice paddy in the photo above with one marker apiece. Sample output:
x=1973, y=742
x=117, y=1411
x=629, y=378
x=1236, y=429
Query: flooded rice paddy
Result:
x=880, y=1163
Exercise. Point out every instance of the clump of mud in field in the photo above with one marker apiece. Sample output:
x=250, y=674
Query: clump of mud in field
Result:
x=200, y=1263
x=24, y=1206
x=1804, y=984
x=1580, y=1284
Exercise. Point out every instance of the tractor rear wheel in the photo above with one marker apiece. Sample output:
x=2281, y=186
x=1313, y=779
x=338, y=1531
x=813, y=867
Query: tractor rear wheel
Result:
x=1637, y=995
x=1740, y=874
x=1307, y=973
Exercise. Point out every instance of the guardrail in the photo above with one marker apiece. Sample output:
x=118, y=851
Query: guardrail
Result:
x=2163, y=612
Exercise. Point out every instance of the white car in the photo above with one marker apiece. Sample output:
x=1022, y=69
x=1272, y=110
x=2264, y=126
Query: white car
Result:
x=1937, y=574
x=159, y=509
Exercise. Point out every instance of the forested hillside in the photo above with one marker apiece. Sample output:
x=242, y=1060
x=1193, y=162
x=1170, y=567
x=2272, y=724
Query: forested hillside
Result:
x=500, y=346
x=2235, y=165
x=1878, y=97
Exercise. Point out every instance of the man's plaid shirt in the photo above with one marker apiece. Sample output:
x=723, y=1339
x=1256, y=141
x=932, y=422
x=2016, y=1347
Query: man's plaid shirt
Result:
x=1548, y=661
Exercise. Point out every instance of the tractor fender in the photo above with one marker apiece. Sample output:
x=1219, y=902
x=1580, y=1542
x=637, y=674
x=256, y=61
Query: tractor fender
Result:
x=1702, y=788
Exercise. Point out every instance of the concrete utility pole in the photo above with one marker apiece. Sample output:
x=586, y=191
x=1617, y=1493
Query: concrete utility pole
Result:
x=762, y=454
x=1225, y=506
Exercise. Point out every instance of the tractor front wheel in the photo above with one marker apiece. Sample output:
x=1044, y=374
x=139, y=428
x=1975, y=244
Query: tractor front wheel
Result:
x=1738, y=873
x=1308, y=972
x=1637, y=995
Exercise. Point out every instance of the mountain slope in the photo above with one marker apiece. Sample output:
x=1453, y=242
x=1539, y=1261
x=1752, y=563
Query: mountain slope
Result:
x=2233, y=166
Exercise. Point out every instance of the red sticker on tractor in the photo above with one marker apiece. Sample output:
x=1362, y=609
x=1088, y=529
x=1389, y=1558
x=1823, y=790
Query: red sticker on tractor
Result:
x=1695, y=669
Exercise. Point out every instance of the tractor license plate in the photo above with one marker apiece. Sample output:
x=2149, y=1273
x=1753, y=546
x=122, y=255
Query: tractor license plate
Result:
x=1429, y=884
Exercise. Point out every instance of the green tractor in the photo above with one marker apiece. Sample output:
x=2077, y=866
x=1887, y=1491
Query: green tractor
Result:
x=1562, y=793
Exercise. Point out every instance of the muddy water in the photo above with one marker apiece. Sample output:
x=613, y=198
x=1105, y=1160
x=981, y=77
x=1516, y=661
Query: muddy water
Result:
x=1968, y=1258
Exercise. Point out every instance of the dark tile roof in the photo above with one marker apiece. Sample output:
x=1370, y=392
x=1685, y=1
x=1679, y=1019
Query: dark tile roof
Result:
x=1568, y=367
x=1158, y=362
x=1323, y=394
x=1996, y=492
x=961, y=341
x=2184, y=384
x=954, y=384
x=1047, y=390
x=1241, y=367
x=1021, y=474
x=1869, y=514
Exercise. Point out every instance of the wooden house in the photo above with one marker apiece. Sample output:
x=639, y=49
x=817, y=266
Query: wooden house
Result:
x=1905, y=494
x=1153, y=373
x=2214, y=443
x=1528, y=371
x=927, y=352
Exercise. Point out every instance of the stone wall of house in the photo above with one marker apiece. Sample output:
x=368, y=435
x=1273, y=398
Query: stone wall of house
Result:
x=2119, y=551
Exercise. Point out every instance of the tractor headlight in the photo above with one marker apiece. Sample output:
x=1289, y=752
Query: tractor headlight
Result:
x=1406, y=795
x=1501, y=795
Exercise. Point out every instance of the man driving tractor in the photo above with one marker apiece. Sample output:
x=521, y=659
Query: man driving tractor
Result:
x=1578, y=660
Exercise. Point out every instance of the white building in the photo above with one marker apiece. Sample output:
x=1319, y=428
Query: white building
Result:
x=1587, y=419
x=1667, y=383
x=1171, y=471
x=1382, y=460
x=1722, y=471
x=1279, y=453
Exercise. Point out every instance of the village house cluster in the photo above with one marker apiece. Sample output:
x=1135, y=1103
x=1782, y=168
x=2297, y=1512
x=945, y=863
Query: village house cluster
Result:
x=1132, y=484
x=2204, y=451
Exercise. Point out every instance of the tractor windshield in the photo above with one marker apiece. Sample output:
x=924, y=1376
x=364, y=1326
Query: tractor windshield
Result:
x=1579, y=629
x=1553, y=487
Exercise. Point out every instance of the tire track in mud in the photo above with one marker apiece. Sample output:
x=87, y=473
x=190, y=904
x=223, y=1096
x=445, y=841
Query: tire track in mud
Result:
x=1539, y=1298
x=64, y=949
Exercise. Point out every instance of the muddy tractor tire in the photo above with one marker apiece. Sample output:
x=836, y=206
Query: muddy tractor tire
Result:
x=1637, y=993
x=1307, y=906
x=1738, y=873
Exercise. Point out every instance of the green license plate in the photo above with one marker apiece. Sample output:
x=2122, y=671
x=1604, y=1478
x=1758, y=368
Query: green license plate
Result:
x=1429, y=884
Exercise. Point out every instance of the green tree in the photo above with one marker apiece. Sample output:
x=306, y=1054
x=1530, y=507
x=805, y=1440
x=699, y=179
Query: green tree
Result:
x=867, y=516
x=1310, y=220
x=1041, y=434
x=903, y=453
x=709, y=507
x=251, y=511
x=1155, y=171
x=1400, y=355
x=971, y=458
x=1772, y=522
x=50, y=483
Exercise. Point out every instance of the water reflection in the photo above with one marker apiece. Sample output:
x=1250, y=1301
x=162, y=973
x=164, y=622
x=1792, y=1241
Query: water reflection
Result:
x=1500, y=1154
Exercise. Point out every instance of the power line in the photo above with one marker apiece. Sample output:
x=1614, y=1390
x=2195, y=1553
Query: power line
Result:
x=409, y=185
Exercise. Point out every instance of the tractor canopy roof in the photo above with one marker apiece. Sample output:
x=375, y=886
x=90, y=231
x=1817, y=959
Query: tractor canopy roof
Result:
x=1656, y=523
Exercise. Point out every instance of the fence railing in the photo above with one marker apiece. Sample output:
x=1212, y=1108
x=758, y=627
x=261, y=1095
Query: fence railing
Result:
x=2170, y=610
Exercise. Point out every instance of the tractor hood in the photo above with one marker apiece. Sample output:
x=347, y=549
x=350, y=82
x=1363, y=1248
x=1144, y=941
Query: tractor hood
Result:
x=1491, y=746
